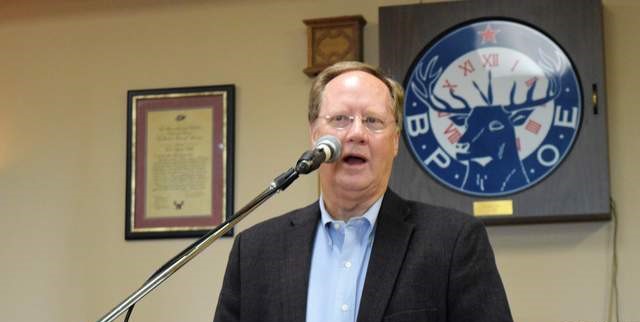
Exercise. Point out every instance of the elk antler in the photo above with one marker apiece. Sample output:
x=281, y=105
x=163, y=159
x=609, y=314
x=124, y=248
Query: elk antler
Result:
x=488, y=98
x=552, y=69
x=425, y=92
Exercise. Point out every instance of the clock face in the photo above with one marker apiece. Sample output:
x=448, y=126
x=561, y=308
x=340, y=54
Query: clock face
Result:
x=491, y=108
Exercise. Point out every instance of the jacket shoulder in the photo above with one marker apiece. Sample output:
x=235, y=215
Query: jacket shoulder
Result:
x=427, y=212
x=277, y=225
x=439, y=221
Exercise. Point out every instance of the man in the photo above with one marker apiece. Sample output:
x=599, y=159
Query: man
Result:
x=361, y=253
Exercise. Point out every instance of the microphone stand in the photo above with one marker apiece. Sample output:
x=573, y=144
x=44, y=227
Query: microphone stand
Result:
x=280, y=183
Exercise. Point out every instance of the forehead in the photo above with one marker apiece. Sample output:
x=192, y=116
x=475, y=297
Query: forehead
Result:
x=356, y=90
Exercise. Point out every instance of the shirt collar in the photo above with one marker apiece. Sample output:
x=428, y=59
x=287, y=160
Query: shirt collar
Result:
x=371, y=214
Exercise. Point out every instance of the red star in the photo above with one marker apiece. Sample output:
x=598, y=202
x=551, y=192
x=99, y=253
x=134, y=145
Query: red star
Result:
x=488, y=34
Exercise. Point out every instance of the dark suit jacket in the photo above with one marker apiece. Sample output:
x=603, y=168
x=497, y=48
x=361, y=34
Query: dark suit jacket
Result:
x=427, y=264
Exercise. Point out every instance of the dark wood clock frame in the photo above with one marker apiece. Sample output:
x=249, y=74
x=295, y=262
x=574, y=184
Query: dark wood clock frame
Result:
x=578, y=189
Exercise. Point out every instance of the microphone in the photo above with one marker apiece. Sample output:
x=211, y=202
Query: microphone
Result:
x=326, y=149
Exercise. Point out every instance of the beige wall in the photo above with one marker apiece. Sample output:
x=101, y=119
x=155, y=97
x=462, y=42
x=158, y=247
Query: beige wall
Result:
x=65, y=68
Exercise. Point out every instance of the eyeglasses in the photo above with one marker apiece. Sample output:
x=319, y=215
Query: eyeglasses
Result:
x=342, y=121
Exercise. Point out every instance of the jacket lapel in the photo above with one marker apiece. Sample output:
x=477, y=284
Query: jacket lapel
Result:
x=389, y=247
x=298, y=244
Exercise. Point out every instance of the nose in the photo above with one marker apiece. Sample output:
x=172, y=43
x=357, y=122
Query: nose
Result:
x=357, y=132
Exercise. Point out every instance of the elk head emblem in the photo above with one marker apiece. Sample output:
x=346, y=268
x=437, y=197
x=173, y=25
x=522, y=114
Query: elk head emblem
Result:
x=488, y=144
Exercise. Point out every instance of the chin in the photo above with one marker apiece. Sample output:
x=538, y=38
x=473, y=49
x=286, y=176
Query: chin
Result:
x=354, y=184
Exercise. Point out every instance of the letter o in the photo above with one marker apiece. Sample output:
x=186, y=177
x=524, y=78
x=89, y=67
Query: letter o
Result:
x=553, y=149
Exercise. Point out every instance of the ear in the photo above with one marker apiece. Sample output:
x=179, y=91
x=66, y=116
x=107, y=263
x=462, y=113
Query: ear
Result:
x=396, y=140
x=313, y=132
x=459, y=119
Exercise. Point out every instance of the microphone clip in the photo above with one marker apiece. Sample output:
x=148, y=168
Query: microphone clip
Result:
x=310, y=160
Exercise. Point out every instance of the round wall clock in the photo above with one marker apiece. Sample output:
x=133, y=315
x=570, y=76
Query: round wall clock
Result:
x=492, y=107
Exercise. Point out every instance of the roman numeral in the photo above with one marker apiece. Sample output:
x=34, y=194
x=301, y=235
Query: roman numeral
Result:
x=533, y=126
x=452, y=133
x=467, y=67
x=490, y=60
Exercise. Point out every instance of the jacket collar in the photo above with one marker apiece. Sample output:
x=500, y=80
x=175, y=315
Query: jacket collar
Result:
x=297, y=265
x=390, y=244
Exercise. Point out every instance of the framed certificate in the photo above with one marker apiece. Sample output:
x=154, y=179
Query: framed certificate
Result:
x=179, y=161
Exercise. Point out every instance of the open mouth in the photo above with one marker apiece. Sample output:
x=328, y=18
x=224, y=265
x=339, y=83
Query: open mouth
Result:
x=352, y=159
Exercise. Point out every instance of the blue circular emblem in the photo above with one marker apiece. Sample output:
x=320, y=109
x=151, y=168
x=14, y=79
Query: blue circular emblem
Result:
x=492, y=108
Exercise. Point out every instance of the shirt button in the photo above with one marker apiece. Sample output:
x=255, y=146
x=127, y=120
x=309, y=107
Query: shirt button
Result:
x=347, y=264
x=344, y=308
x=336, y=226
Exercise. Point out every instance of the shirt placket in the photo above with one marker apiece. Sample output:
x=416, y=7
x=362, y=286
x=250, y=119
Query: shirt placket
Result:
x=348, y=276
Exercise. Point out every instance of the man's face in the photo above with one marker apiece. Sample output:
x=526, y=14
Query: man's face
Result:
x=367, y=156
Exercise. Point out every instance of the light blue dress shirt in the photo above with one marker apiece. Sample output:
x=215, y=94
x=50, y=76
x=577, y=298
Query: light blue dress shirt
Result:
x=339, y=264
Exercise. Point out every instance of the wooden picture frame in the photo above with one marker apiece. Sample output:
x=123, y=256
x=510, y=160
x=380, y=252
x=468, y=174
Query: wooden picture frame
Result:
x=331, y=40
x=180, y=156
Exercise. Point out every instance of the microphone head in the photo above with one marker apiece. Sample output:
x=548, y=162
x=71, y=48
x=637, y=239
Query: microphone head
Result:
x=331, y=145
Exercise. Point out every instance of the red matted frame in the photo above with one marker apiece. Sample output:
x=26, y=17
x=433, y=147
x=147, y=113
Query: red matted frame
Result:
x=180, y=156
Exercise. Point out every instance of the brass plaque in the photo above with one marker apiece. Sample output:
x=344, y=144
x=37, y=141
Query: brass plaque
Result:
x=493, y=208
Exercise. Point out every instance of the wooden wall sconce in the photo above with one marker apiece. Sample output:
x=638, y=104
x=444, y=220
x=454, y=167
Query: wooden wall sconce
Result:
x=330, y=40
